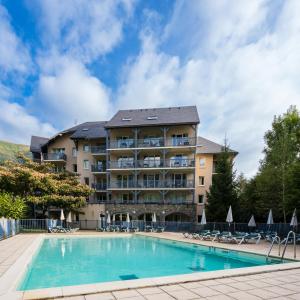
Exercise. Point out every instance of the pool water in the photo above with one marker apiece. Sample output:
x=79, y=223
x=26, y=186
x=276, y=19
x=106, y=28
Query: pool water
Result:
x=75, y=261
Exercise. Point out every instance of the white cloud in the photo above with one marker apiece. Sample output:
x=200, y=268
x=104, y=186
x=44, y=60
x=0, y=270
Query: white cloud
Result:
x=16, y=125
x=82, y=29
x=72, y=95
x=240, y=73
x=14, y=55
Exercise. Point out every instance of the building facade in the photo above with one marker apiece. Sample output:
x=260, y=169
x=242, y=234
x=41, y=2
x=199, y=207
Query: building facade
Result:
x=140, y=162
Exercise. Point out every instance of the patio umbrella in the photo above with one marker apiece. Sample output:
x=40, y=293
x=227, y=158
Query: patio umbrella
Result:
x=69, y=218
x=127, y=218
x=100, y=222
x=203, y=218
x=108, y=218
x=294, y=221
x=270, y=219
x=114, y=218
x=62, y=216
x=252, y=222
x=154, y=218
x=229, y=218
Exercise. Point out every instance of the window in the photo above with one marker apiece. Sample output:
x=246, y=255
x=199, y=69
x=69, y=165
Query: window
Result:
x=214, y=166
x=86, y=164
x=202, y=162
x=86, y=148
x=152, y=118
x=85, y=129
x=58, y=150
x=74, y=152
x=199, y=218
x=75, y=168
x=87, y=180
x=126, y=119
x=201, y=180
x=200, y=198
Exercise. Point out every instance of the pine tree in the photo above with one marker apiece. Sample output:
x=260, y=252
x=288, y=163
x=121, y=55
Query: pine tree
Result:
x=223, y=191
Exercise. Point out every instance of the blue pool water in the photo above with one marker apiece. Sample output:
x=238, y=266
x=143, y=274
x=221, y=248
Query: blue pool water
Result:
x=74, y=261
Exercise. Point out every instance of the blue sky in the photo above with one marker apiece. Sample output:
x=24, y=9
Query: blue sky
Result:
x=65, y=62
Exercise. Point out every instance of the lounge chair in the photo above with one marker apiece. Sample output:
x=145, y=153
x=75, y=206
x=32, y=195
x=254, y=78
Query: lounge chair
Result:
x=160, y=229
x=225, y=236
x=149, y=228
x=211, y=236
x=237, y=237
x=200, y=234
x=256, y=237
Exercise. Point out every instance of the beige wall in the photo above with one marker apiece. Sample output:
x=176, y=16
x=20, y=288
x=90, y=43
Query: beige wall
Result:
x=64, y=141
x=205, y=171
x=92, y=212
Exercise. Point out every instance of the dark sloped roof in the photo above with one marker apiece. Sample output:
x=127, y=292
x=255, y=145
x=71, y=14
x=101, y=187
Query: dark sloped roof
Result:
x=206, y=146
x=37, y=142
x=90, y=130
x=154, y=116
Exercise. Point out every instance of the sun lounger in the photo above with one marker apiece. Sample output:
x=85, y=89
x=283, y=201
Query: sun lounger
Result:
x=212, y=236
x=160, y=229
x=225, y=236
x=149, y=228
x=200, y=234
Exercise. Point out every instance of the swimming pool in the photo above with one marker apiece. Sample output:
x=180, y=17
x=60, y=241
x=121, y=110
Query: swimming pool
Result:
x=73, y=261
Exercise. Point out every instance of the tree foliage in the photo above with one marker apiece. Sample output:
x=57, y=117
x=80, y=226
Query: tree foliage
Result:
x=11, y=206
x=39, y=185
x=223, y=191
x=277, y=183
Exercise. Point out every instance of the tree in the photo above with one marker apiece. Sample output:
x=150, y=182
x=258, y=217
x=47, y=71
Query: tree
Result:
x=11, y=206
x=277, y=183
x=281, y=153
x=223, y=191
x=40, y=186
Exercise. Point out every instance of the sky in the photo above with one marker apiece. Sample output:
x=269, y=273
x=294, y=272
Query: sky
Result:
x=67, y=62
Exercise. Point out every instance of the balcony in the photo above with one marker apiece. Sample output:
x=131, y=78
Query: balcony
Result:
x=54, y=157
x=153, y=143
x=98, y=150
x=152, y=184
x=98, y=168
x=152, y=163
x=99, y=186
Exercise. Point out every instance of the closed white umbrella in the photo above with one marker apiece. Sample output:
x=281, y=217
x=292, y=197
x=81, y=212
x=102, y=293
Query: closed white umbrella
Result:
x=108, y=218
x=127, y=218
x=229, y=218
x=100, y=222
x=154, y=218
x=114, y=218
x=69, y=218
x=270, y=218
x=294, y=221
x=203, y=218
x=252, y=222
x=62, y=216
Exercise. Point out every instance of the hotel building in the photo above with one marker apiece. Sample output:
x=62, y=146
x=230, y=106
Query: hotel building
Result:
x=142, y=161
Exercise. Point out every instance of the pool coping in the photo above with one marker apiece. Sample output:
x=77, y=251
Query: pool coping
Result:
x=10, y=279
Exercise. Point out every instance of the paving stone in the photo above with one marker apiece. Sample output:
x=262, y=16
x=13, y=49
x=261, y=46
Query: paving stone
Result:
x=223, y=288
x=205, y=292
x=125, y=294
x=242, y=286
x=241, y=295
x=295, y=296
x=149, y=291
x=101, y=296
x=280, y=291
x=264, y=294
x=184, y=295
x=170, y=288
x=162, y=296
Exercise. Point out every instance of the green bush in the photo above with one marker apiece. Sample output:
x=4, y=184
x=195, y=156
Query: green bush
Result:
x=11, y=206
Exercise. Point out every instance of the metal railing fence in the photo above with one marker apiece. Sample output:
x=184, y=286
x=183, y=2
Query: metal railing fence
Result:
x=12, y=227
x=8, y=228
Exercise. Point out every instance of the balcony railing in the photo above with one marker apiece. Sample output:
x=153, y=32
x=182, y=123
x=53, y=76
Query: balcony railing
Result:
x=98, y=149
x=152, y=163
x=152, y=184
x=153, y=142
x=54, y=156
x=98, y=168
x=99, y=186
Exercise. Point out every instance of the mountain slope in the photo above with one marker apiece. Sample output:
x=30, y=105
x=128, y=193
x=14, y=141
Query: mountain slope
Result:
x=8, y=150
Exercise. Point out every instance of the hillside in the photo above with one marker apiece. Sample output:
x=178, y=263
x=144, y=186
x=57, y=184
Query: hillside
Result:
x=9, y=150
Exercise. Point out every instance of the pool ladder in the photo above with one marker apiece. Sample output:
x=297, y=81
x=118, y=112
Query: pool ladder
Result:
x=275, y=239
x=286, y=243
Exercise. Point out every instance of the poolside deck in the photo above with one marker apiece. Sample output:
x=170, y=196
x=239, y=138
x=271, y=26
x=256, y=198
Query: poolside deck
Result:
x=270, y=284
